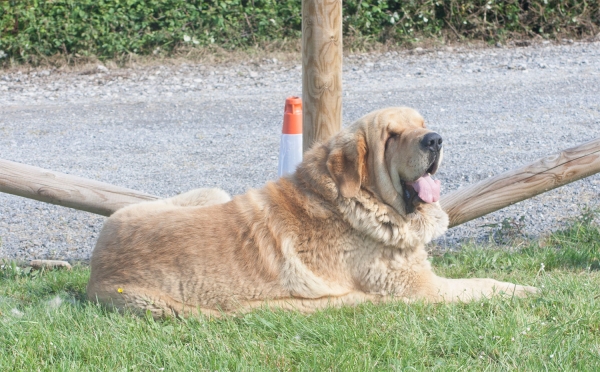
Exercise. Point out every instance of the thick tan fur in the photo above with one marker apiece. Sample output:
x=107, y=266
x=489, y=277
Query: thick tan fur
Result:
x=337, y=232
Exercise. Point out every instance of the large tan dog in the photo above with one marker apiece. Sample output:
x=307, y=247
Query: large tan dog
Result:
x=349, y=226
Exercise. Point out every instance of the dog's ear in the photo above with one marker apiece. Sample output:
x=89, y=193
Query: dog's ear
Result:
x=346, y=164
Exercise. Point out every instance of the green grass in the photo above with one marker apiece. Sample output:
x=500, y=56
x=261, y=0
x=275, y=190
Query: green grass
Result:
x=558, y=330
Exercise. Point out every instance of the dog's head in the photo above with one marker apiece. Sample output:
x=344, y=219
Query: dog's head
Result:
x=392, y=154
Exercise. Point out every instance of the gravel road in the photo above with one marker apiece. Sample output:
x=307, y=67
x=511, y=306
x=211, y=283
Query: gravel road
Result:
x=168, y=129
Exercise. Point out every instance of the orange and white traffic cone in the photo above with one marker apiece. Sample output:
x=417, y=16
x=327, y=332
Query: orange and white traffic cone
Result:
x=290, y=148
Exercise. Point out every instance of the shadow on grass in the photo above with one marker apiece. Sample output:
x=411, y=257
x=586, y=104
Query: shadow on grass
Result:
x=575, y=248
x=33, y=285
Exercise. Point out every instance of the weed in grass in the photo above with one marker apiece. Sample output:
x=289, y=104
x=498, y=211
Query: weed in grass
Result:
x=508, y=230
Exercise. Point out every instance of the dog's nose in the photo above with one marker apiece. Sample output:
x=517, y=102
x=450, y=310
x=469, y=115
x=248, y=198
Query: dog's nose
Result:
x=432, y=142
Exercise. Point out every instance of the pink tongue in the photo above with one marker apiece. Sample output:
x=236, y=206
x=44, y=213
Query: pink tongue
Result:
x=427, y=188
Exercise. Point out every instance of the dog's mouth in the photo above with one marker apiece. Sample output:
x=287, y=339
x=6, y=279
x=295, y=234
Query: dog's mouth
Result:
x=425, y=189
x=434, y=165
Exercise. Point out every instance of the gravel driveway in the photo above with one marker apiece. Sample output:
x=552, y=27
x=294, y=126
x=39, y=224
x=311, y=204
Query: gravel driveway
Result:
x=168, y=129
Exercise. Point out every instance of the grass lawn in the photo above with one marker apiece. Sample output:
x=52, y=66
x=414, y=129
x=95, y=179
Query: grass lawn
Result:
x=46, y=324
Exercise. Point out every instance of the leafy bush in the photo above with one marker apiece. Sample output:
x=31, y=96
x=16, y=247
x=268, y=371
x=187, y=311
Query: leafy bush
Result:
x=109, y=28
x=112, y=28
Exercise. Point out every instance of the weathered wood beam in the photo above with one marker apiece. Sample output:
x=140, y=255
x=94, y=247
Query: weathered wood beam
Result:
x=461, y=205
x=50, y=264
x=523, y=183
x=66, y=190
x=321, y=70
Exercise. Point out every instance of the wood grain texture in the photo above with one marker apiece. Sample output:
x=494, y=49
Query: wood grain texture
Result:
x=50, y=264
x=321, y=70
x=513, y=186
x=63, y=189
x=461, y=205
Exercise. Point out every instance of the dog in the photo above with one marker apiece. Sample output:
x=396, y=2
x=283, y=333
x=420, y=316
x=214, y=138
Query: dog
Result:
x=349, y=226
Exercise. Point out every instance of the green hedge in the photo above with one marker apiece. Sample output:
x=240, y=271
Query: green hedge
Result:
x=113, y=28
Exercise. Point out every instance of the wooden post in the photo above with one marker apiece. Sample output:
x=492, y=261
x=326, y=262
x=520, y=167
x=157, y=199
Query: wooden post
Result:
x=513, y=186
x=321, y=70
x=63, y=189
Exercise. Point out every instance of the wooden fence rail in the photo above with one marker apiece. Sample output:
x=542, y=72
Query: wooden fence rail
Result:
x=523, y=183
x=66, y=190
x=461, y=205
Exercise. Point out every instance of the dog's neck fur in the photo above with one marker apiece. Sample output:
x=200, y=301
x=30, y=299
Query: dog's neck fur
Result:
x=366, y=213
x=377, y=220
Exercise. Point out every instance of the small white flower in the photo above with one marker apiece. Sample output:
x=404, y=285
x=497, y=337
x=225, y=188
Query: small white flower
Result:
x=2, y=55
x=186, y=38
x=551, y=355
x=481, y=337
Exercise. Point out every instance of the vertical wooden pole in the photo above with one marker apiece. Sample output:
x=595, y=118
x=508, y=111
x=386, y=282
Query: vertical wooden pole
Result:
x=321, y=69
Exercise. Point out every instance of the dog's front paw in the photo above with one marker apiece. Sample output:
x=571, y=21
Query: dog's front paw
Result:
x=525, y=290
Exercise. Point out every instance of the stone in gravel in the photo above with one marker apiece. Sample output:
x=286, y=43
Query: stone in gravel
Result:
x=521, y=67
x=102, y=68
